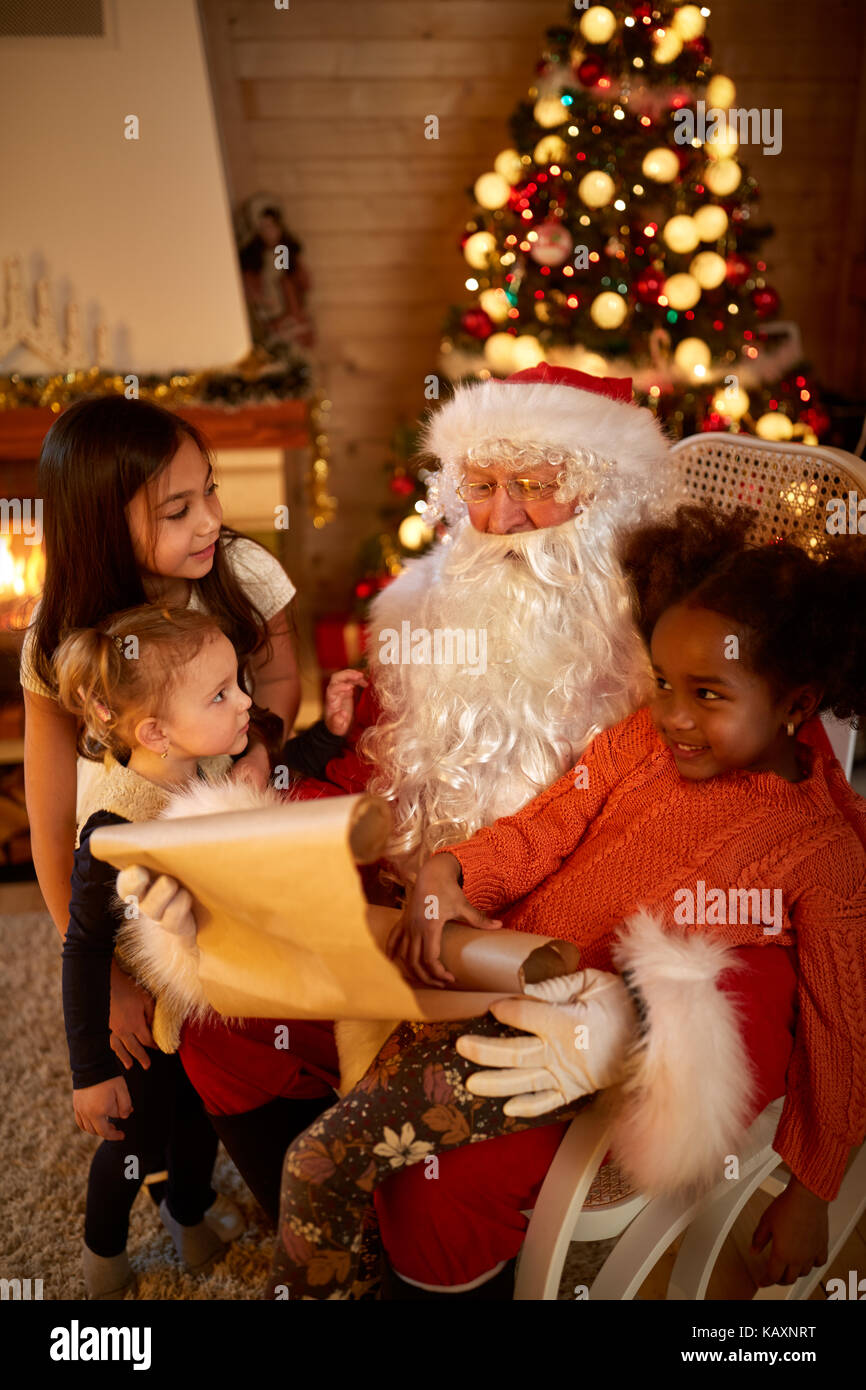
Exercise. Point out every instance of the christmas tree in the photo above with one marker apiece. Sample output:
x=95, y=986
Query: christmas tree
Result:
x=618, y=233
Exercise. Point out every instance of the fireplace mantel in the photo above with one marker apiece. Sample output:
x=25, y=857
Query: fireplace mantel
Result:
x=283, y=425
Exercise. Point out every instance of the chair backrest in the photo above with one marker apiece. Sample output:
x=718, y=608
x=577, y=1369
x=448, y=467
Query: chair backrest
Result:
x=790, y=485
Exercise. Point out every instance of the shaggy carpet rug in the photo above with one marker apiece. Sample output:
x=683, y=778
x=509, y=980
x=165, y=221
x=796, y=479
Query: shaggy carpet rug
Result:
x=44, y=1157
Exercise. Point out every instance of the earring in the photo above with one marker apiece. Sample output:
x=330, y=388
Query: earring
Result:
x=791, y=728
x=165, y=754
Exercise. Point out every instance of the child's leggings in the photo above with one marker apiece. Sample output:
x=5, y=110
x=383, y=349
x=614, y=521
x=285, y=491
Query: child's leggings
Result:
x=168, y=1129
x=331, y=1171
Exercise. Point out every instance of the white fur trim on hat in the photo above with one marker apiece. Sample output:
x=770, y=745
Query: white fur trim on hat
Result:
x=594, y=429
x=689, y=1088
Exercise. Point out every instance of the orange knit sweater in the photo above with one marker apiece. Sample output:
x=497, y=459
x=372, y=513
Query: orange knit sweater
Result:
x=624, y=830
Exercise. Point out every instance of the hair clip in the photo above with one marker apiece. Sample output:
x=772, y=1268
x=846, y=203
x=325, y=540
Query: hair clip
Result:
x=118, y=642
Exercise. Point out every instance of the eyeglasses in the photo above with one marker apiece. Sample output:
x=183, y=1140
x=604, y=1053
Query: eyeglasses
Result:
x=518, y=489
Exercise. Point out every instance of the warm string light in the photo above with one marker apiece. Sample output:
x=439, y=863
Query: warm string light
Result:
x=322, y=504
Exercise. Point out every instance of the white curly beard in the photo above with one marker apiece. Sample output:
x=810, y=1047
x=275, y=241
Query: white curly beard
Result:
x=454, y=751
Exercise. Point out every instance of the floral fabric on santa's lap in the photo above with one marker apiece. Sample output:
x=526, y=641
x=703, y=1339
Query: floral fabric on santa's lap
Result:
x=411, y=1104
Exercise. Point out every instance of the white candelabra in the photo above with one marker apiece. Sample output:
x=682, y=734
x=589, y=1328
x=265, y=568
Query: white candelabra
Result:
x=40, y=332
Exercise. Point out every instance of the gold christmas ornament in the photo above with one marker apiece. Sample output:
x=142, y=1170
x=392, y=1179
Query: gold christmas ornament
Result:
x=693, y=357
x=479, y=248
x=733, y=401
x=598, y=25
x=551, y=149
x=722, y=146
x=682, y=291
x=499, y=353
x=722, y=177
x=528, y=352
x=608, y=309
x=720, y=92
x=549, y=112
x=509, y=164
x=711, y=222
x=667, y=46
x=689, y=23
x=491, y=190
x=661, y=165
x=413, y=533
x=495, y=304
x=596, y=189
x=774, y=425
x=709, y=269
x=593, y=364
x=681, y=234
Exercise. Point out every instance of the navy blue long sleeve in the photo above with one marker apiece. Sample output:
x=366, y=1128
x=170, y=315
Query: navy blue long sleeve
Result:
x=310, y=751
x=87, y=953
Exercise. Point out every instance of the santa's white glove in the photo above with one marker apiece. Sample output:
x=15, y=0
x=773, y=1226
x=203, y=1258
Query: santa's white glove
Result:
x=163, y=900
x=582, y=1025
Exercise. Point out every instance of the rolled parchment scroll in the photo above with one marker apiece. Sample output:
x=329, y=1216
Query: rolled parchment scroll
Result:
x=283, y=927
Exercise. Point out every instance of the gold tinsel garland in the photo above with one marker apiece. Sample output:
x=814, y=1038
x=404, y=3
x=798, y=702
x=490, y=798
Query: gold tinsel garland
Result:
x=61, y=389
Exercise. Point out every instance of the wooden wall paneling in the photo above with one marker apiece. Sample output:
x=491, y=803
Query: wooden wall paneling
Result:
x=371, y=60
x=371, y=138
x=266, y=99
x=395, y=19
x=810, y=62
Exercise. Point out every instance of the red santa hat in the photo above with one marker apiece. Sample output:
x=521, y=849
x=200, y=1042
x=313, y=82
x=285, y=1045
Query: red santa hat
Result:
x=544, y=415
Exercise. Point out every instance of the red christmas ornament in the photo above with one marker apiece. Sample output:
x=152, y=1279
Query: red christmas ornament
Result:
x=739, y=269
x=401, y=485
x=518, y=196
x=712, y=421
x=816, y=418
x=363, y=589
x=766, y=302
x=589, y=72
x=553, y=245
x=647, y=287
x=477, y=324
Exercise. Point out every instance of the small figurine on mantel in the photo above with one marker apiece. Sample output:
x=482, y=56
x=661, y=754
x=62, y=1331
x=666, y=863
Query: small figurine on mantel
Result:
x=275, y=279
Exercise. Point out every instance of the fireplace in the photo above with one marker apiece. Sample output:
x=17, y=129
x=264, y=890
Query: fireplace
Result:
x=22, y=569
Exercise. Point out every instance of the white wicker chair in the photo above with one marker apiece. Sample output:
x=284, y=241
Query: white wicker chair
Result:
x=789, y=485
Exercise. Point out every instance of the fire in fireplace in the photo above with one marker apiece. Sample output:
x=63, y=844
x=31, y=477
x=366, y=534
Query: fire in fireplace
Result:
x=22, y=574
